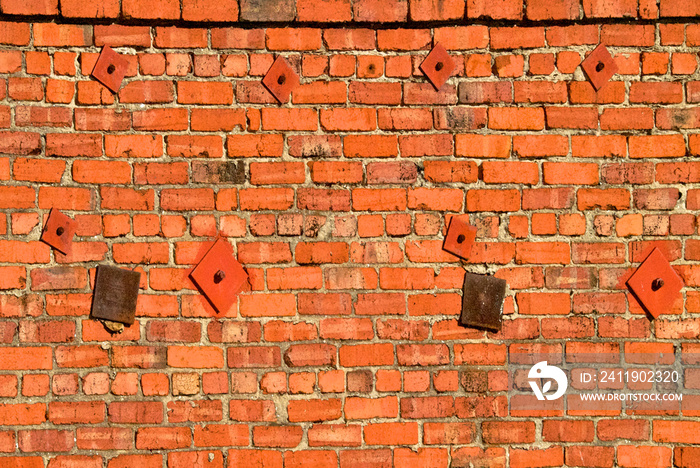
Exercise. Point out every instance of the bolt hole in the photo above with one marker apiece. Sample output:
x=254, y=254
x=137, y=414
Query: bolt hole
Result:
x=371, y=68
x=219, y=276
x=281, y=79
x=657, y=284
x=460, y=238
x=60, y=231
x=439, y=66
x=110, y=69
x=599, y=67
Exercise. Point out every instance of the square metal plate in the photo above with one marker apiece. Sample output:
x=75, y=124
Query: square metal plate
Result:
x=110, y=69
x=655, y=284
x=280, y=79
x=482, y=301
x=58, y=231
x=115, y=294
x=219, y=276
x=599, y=66
x=460, y=237
x=438, y=66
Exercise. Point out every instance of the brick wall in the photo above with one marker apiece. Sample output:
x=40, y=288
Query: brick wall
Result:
x=345, y=350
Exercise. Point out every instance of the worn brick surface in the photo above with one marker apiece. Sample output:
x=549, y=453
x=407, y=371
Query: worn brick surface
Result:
x=343, y=349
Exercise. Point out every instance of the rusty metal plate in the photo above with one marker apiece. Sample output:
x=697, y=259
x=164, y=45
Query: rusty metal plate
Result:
x=115, y=295
x=438, y=66
x=482, y=301
x=110, y=69
x=280, y=80
x=460, y=237
x=58, y=231
x=219, y=276
x=655, y=284
x=599, y=66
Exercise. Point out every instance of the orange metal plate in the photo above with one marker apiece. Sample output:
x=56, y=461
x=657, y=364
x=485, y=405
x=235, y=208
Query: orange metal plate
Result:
x=460, y=237
x=438, y=66
x=58, y=231
x=110, y=69
x=655, y=284
x=599, y=66
x=219, y=276
x=280, y=80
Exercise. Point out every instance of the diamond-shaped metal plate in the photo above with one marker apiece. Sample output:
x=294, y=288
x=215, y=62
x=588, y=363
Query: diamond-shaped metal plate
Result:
x=219, y=276
x=482, y=301
x=438, y=66
x=110, y=69
x=599, y=66
x=280, y=80
x=115, y=294
x=460, y=237
x=655, y=284
x=58, y=231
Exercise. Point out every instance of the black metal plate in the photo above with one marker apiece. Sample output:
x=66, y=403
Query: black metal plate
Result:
x=115, y=294
x=482, y=301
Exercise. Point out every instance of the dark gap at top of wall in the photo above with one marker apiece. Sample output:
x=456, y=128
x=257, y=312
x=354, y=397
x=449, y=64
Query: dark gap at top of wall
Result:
x=342, y=25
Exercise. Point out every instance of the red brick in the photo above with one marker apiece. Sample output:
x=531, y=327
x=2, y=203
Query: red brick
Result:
x=539, y=10
x=160, y=9
x=374, y=93
x=627, y=35
x=15, y=33
x=169, y=119
x=643, y=456
x=45, y=440
x=277, y=436
x=293, y=39
x=513, y=118
x=60, y=35
x=117, y=36
x=391, y=433
x=147, y=92
x=508, y=9
x=510, y=172
x=493, y=200
x=403, y=39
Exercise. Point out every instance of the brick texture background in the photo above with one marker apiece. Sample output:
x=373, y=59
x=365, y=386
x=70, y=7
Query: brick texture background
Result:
x=345, y=350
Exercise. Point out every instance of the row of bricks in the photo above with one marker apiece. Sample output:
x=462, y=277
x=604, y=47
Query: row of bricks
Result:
x=324, y=354
x=576, y=455
x=353, y=146
x=330, y=254
x=41, y=35
x=338, y=304
x=307, y=383
x=388, y=93
x=372, y=434
x=354, y=119
x=22, y=197
x=343, y=65
x=403, y=172
x=354, y=10
x=58, y=278
x=598, y=456
x=343, y=226
x=363, y=328
x=248, y=383
x=308, y=410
